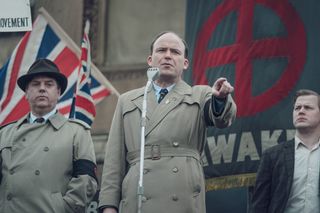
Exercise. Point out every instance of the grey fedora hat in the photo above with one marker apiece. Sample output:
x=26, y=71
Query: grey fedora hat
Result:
x=44, y=67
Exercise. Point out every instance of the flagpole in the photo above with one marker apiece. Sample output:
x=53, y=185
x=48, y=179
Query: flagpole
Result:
x=87, y=74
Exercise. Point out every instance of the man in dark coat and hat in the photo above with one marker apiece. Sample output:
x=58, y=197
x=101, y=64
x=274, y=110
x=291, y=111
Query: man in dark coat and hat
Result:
x=47, y=162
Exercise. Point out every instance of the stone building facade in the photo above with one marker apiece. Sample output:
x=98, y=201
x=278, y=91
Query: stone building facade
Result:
x=120, y=33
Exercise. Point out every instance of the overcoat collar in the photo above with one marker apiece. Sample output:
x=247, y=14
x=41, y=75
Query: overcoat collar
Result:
x=156, y=112
x=57, y=120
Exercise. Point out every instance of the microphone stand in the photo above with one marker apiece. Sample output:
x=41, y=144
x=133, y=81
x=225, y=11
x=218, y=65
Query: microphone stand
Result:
x=152, y=73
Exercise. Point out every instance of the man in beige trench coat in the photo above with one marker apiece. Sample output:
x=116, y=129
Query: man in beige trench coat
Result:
x=47, y=163
x=175, y=137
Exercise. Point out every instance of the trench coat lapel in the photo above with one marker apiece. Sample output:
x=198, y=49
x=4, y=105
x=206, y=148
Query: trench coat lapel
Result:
x=137, y=100
x=289, y=149
x=171, y=101
x=24, y=119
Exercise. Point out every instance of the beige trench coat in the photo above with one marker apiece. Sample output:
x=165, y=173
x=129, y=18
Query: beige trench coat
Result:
x=173, y=175
x=36, y=164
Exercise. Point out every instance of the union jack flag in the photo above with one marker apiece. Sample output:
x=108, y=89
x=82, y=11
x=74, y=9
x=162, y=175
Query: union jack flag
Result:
x=46, y=40
x=82, y=106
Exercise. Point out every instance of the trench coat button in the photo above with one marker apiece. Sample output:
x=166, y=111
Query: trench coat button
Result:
x=175, y=169
x=197, y=189
x=175, y=197
x=46, y=149
x=144, y=199
x=9, y=196
x=37, y=172
x=23, y=139
x=11, y=171
x=175, y=144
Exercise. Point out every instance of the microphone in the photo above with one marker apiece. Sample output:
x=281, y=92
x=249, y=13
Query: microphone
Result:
x=153, y=73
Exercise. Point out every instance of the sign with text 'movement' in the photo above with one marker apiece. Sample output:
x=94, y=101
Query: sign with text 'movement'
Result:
x=15, y=16
x=267, y=50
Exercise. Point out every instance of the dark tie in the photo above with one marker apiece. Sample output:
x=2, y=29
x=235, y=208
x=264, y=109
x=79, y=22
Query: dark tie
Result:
x=39, y=120
x=163, y=92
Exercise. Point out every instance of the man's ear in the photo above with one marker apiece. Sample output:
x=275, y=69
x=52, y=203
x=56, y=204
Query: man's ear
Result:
x=185, y=64
x=149, y=60
x=59, y=91
x=26, y=92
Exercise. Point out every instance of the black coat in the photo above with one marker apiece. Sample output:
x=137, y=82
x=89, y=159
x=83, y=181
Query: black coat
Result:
x=274, y=179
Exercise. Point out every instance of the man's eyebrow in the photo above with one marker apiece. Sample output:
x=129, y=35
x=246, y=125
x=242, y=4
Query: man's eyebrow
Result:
x=170, y=48
x=176, y=49
x=37, y=80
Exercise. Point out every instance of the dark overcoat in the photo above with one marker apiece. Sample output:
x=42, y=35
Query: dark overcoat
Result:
x=274, y=179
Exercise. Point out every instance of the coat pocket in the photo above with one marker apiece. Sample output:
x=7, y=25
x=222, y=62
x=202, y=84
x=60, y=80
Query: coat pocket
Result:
x=5, y=153
x=128, y=181
x=196, y=177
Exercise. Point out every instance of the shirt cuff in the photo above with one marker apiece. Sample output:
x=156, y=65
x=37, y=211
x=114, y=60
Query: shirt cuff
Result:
x=218, y=105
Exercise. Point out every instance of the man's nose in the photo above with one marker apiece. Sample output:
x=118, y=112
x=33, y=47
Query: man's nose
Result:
x=302, y=110
x=42, y=87
x=168, y=54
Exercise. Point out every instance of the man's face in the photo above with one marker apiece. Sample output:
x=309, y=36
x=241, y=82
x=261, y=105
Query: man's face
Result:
x=306, y=113
x=168, y=56
x=42, y=94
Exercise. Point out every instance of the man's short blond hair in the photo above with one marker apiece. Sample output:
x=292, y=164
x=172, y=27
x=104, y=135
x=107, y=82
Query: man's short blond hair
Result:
x=305, y=92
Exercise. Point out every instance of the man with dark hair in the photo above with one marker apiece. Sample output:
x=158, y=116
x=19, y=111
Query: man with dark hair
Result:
x=47, y=162
x=177, y=118
x=288, y=175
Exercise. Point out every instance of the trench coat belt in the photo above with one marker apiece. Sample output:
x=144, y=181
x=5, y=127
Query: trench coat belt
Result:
x=155, y=152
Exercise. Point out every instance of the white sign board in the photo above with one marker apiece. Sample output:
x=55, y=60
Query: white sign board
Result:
x=15, y=15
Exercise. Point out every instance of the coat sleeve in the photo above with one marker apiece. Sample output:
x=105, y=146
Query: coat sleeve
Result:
x=1, y=147
x=226, y=117
x=0, y=165
x=0, y=157
x=83, y=184
x=115, y=162
x=261, y=194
